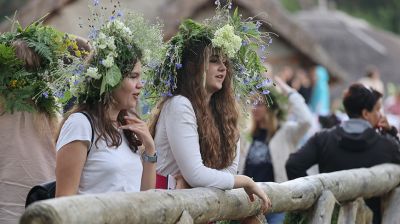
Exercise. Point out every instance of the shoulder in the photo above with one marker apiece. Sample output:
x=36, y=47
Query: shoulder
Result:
x=76, y=127
x=325, y=135
x=179, y=104
x=77, y=120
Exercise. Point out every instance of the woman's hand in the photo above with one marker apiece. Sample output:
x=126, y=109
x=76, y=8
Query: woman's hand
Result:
x=141, y=130
x=286, y=89
x=251, y=188
x=181, y=182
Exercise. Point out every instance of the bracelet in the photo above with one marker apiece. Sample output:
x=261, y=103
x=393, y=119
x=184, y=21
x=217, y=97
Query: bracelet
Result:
x=149, y=159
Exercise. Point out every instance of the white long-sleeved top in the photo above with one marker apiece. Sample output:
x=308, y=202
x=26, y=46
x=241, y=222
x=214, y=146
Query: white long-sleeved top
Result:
x=287, y=138
x=177, y=143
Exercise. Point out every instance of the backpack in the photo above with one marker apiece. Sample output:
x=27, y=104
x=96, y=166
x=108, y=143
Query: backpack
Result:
x=48, y=190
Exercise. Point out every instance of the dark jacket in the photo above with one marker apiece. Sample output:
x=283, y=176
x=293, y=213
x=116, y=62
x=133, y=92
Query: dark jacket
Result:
x=258, y=163
x=335, y=149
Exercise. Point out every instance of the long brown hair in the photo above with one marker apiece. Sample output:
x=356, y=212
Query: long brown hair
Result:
x=103, y=125
x=217, y=121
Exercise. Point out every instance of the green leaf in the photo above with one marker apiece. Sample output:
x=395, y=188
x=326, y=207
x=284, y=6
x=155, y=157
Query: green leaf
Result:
x=113, y=76
x=67, y=96
x=235, y=13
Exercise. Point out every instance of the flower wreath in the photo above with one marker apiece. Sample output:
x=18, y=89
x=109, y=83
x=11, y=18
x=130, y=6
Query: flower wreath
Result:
x=116, y=42
x=28, y=90
x=241, y=40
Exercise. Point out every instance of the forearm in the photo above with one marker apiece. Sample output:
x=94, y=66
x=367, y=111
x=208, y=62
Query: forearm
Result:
x=300, y=109
x=148, y=176
x=241, y=181
x=294, y=169
x=149, y=170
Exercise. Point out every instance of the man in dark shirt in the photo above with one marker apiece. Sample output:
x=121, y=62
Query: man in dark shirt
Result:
x=365, y=140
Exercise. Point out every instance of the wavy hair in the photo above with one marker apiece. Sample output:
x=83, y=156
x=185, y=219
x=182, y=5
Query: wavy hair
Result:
x=217, y=122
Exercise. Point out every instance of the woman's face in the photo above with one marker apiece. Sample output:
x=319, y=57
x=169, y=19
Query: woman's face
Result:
x=215, y=73
x=259, y=112
x=127, y=94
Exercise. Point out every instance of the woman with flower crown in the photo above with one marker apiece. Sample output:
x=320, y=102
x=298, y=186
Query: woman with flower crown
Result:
x=28, y=115
x=195, y=126
x=97, y=147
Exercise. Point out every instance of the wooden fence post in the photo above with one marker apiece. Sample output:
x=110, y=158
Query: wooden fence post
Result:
x=323, y=209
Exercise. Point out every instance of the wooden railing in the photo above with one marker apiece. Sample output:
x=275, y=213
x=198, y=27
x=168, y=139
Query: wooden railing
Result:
x=317, y=195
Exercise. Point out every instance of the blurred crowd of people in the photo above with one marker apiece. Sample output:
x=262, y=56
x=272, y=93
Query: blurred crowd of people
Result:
x=315, y=137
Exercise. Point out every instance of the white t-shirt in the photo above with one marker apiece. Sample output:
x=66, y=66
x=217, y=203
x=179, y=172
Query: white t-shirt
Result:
x=178, y=148
x=107, y=169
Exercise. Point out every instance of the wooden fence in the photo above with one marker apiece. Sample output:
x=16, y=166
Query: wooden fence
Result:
x=316, y=195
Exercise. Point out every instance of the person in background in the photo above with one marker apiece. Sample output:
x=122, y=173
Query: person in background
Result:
x=372, y=79
x=274, y=138
x=287, y=75
x=302, y=83
x=320, y=101
x=365, y=140
x=28, y=111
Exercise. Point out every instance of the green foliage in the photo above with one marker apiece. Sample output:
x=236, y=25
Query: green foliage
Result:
x=383, y=14
x=296, y=218
x=24, y=90
x=302, y=217
x=291, y=5
x=335, y=214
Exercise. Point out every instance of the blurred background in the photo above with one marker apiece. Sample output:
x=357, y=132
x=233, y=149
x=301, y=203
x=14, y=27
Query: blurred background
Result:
x=316, y=41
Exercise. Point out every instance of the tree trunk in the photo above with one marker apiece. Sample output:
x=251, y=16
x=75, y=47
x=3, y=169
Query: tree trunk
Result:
x=208, y=204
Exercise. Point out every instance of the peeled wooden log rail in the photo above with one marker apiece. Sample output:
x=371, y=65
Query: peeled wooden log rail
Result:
x=202, y=205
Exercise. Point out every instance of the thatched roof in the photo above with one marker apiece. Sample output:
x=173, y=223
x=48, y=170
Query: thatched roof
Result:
x=354, y=44
x=267, y=10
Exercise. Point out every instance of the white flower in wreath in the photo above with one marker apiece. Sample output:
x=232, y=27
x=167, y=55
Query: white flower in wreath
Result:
x=119, y=25
x=226, y=39
x=127, y=32
x=110, y=43
x=108, y=62
x=101, y=43
x=93, y=73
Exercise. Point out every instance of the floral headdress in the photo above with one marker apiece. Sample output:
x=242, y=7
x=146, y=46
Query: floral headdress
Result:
x=116, y=41
x=240, y=40
x=28, y=89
